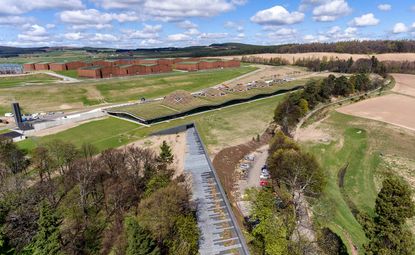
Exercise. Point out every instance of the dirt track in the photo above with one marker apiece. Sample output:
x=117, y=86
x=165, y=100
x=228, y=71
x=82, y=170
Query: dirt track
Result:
x=397, y=109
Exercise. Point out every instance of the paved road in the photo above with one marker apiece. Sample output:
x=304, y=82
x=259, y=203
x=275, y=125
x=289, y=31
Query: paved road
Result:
x=220, y=233
x=255, y=172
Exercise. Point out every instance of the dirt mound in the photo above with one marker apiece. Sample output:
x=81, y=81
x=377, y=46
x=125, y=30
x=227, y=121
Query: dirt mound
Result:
x=178, y=97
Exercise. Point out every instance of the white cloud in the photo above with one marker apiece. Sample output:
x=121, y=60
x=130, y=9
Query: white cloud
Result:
x=365, y=20
x=385, y=7
x=210, y=36
x=283, y=32
x=23, y=6
x=316, y=38
x=400, y=28
x=234, y=25
x=192, y=31
x=276, y=16
x=98, y=37
x=178, y=38
x=13, y=20
x=33, y=33
x=169, y=10
x=50, y=26
x=187, y=24
x=148, y=32
x=73, y=36
x=94, y=19
x=331, y=10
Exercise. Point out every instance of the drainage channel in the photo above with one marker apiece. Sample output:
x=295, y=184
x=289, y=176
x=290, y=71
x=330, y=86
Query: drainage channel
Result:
x=220, y=233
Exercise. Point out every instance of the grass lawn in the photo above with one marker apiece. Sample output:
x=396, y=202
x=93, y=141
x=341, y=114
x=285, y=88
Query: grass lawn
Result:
x=160, y=109
x=25, y=80
x=3, y=131
x=219, y=129
x=69, y=73
x=358, y=143
x=153, y=86
x=76, y=96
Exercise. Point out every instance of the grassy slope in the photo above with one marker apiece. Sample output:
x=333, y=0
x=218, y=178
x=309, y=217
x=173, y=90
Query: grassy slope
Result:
x=359, y=143
x=79, y=95
x=13, y=81
x=155, y=109
x=219, y=129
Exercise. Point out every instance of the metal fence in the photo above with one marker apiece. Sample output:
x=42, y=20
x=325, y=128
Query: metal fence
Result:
x=11, y=69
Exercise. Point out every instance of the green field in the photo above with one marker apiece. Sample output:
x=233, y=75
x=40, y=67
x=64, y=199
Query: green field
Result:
x=53, y=56
x=69, y=73
x=161, y=108
x=219, y=129
x=76, y=96
x=358, y=143
x=25, y=80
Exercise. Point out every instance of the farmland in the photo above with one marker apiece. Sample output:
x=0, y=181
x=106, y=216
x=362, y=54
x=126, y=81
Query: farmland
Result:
x=77, y=96
x=385, y=108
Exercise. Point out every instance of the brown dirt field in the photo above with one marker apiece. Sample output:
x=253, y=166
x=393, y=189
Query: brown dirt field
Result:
x=269, y=72
x=405, y=84
x=394, y=109
x=293, y=57
x=177, y=144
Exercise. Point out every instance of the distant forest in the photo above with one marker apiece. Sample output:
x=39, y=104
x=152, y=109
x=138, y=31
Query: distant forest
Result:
x=227, y=49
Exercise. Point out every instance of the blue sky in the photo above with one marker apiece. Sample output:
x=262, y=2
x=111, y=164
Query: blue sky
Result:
x=162, y=23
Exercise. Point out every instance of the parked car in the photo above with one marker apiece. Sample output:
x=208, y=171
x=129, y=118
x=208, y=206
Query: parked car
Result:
x=263, y=183
x=265, y=176
x=245, y=166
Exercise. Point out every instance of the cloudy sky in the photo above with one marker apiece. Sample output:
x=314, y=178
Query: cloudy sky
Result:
x=162, y=23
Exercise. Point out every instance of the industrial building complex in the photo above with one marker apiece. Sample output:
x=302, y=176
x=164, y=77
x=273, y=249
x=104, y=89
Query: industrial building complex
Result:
x=126, y=67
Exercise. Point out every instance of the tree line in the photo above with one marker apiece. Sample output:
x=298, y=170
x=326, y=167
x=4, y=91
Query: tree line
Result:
x=296, y=105
x=68, y=200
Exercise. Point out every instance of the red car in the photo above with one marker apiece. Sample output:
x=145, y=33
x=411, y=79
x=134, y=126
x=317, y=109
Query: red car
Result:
x=263, y=183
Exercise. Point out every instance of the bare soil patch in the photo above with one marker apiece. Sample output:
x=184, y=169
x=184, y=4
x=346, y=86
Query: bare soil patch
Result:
x=394, y=109
x=177, y=143
x=405, y=84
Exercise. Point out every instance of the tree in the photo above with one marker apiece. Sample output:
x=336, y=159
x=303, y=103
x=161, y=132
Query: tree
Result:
x=270, y=232
x=166, y=156
x=42, y=162
x=139, y=242
x=48, y=237
x=12, y=159
x=158, y=212
x=186, y=236
x=394, y=206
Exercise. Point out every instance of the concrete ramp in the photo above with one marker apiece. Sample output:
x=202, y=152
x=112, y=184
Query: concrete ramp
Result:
x=220, y=233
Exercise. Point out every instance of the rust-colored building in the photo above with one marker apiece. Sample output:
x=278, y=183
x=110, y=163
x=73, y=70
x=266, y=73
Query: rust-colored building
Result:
x=104, y=63
x=74, y=65
x=109, y=71
x=148, y=61
x=166, y=61
x=187, y=66
x=123, y=62
x=28, y=67
x=58, y=66
x=165, y=68
x=126, y=70
x=90, y=72
x=42, y=66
